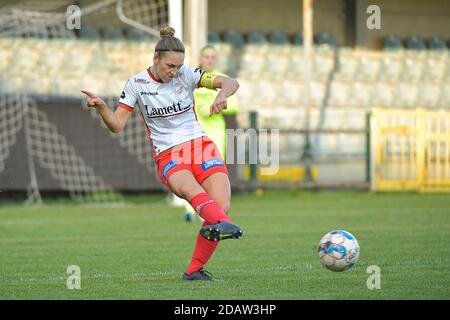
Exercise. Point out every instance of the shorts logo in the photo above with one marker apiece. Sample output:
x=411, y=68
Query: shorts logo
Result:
x=214, y=162
x=172, y=164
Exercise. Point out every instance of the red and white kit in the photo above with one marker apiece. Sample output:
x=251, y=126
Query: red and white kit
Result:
x=168, y=111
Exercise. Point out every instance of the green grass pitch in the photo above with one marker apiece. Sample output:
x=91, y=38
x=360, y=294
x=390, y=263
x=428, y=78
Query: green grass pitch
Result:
x=140, y=250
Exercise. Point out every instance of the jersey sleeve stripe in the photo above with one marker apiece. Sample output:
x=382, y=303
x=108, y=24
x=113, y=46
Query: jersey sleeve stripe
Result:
x=127, y=107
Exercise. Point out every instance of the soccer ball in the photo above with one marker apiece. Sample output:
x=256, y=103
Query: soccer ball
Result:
x=338, y=250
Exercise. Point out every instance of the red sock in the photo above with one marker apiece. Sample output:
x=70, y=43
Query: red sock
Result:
x=208, y=209
x=204, y=249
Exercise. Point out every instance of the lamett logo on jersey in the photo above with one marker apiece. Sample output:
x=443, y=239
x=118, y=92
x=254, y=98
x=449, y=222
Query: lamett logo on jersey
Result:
x=146, y=93
x=174, y=109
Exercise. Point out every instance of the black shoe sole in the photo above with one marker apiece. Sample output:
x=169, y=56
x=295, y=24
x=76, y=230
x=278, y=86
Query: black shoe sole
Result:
x=214, y=233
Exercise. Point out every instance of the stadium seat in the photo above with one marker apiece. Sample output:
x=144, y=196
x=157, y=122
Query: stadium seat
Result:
x=224, y=49
x=261, y=49
x=213, y=36
x=50, y=59
x=343, y=118
x=64, y=85
x=354, y=118
x=275, y=65
x=444, y=97
x=5, y=56
x=135, y=34
x=346, y=67
x=91, y=81
x=114, y=85
x=447, y=72
x=405, y=95
x=298, y=39
x=325, y=39
x=226, y=62
x=256, y=37
x=265, y=93
x=251, y=65
x=60, y=32
x=290, y=93
x=234, y=37
x=278, y=38
x=89, y=32
x=434, y=69
x=415, y=43
x=112, y=33
x=382, y=94
x=78, y=59
x=317, y=93
x=24, y=58
x=246, y=92
x=38, y=33
x=428, y=95
x=392, y=43
x=332, y=118
x=291, y=142
x=272, y=118
x=359, y=94
x=296, y=67
x=322, y=66
x=339, y=94
x=9, y=85
x=340, y=145
x=436, y=43
x=36, y=84
x=390, y=68
x=368, y=68
x=411, y=69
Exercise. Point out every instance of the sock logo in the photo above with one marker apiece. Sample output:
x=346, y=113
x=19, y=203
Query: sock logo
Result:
x=201, y=205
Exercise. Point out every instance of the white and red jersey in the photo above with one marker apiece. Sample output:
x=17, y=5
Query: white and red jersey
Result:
x=167, y=108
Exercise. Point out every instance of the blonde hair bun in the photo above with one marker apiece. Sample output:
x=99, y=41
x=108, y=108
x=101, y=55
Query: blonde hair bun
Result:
x=167, y=32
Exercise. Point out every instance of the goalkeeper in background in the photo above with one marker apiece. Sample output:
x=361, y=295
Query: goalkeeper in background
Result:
x=215, y=125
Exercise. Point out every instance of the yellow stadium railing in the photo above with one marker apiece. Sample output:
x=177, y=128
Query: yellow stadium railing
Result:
x=410, y=150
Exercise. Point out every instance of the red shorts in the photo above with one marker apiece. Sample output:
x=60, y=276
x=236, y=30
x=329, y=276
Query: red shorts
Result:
x=199, y=156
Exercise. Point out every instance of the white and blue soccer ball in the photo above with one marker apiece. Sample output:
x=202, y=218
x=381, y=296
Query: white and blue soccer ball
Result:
x=338, y=250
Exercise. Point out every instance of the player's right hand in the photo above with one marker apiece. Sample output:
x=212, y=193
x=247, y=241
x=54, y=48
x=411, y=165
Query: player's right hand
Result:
x=92, y=100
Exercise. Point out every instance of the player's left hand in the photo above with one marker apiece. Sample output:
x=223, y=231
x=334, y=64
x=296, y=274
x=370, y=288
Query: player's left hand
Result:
x=218, y=105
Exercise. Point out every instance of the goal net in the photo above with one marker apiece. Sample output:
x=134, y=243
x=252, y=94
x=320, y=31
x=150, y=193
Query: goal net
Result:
x=146, y=15
x=47, y=143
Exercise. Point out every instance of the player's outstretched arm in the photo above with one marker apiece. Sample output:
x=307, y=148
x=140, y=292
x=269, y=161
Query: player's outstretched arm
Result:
x=115, y=121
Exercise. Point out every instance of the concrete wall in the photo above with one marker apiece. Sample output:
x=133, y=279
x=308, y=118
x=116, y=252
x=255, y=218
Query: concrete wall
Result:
x=404, y=18
x=401, y=17
x=269, y=15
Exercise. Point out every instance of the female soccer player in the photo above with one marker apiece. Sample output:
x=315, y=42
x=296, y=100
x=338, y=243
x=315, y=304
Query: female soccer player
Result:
x=214, y=126
x=188, y=162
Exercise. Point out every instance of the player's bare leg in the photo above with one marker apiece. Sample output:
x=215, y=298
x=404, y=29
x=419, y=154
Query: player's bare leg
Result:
x=212, y=208
x=184, y=184
x=218, y=187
